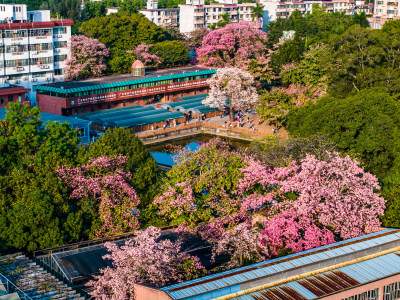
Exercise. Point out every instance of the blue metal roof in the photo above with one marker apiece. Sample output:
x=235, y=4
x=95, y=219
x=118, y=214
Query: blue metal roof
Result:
x=333, y=281
x=228, y=282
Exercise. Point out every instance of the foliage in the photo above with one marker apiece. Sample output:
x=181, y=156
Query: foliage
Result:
x=234, y=84
x=197, y=36
x=275, y=105
x=366, y=123
x=205, y=187
x=275, y=152
x=35, y=212
x=240, y=243
x=123, y=31
x=172, y=53
x=225, y=20
x=144, y=259
x=142, y=166
x=363, y=58
x=241, y=45
x=87, y=58
x=142, y=52
x=338, y=193
x=101, y=189
x=291, y=232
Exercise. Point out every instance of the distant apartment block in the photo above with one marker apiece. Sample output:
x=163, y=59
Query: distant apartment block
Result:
x=384, y=10
x=196, y=14
x=33, y=47
x=275, y=9
x=165, y=17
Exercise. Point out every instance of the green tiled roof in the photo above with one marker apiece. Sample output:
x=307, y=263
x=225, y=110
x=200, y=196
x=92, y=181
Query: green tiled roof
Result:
x=61, y=90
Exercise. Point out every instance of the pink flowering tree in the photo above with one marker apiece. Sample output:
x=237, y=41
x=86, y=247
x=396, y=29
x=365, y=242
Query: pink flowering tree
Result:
x=291, y=232
x=143, y=53
x=241, y=244
x=102, y=188
x=204, y=190
x=232, y=87
x=241, y=45
x=87, y=58
x=145, y=259
x=337, y=193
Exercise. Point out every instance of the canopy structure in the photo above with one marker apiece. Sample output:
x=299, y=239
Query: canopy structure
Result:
x=114, y=112
x=195, y=100
x=149, y=119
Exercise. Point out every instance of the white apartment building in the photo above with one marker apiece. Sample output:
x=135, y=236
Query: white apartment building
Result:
x=33, y=47
x=196, y=14
x=165, y=17
x=276, y=9
x=384, y=10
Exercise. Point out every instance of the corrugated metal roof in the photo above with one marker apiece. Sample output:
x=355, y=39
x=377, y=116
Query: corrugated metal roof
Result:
x=120, y=83
x=208, y=286
x=334, y=281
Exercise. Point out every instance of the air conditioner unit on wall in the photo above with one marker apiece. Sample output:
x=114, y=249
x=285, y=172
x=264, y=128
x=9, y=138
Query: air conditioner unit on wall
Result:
x=17, y=81
x=34, y=79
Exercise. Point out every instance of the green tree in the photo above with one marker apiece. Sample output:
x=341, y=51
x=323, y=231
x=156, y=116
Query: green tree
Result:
x=141, y=164
x=172, y=53
x=35, y=210
x=257, y=12
x=123, y=31
x=366, y=124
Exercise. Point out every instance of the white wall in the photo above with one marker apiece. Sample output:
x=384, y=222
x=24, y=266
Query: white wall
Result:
x=186, y=19
x=39, y=15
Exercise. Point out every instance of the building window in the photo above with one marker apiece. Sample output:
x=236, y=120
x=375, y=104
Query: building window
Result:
x=41, y=60
x=59, y=72
x=60, y=30
x=391, y=291
x=83, y=108
x=41, y=47
x=2, y=100
x=62, y=44
x=60, y=57
x=41, y=32
x=19, y=98
x=16, y=33
x=369, y=295
x=16, y=63
x=11, y=98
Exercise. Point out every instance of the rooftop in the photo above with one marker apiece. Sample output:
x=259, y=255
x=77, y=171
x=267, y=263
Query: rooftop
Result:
x=122, y=80
x=275, y=270
x=26, y=25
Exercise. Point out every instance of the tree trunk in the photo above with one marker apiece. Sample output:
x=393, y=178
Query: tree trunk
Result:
x=231, y=113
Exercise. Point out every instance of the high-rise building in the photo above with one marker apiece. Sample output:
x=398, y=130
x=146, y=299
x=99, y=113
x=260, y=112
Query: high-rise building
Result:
x=165, y=17
x=33, y=47
x=196, y=14
x=283, y=9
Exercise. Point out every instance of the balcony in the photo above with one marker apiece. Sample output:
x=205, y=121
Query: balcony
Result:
x=199, y=14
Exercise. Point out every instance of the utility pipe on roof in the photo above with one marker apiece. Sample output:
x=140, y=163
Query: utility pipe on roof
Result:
x=304, y=275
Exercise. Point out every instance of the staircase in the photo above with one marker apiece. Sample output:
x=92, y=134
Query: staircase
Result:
x=32, y=280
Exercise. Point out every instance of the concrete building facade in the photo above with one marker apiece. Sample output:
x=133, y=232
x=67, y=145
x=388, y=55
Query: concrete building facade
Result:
x=275, y=9
x=196, y=14
x=165, y=17
x=33, y=47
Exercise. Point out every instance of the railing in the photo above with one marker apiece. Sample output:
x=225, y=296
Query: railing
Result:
x=204, y=125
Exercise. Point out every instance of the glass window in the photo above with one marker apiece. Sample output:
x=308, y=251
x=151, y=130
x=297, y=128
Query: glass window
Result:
x=59, y=30
x=369, y=295
x=41, y=32
x=10, y=98
x=16, y=33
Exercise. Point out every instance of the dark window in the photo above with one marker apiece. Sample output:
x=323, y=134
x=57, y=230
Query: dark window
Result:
x=83, y=108
x=11, y=98
x=99, y=105
x=2, y=101
x=93, y=107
